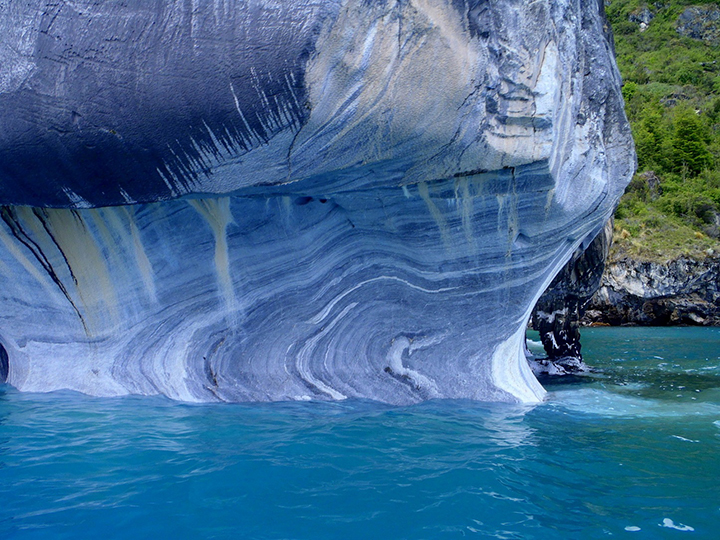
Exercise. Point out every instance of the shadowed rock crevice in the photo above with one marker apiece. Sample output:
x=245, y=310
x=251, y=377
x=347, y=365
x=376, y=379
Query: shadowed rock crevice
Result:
x=4, y=365
x=558, y=313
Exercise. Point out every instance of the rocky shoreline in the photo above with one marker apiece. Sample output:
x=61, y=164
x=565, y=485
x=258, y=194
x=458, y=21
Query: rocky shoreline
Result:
x=598, y=289
x=640, y=293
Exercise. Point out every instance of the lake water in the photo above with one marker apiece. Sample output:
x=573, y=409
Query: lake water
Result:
x=632, y=452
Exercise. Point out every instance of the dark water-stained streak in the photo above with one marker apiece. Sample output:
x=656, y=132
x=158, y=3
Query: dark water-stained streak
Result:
x=10, y=218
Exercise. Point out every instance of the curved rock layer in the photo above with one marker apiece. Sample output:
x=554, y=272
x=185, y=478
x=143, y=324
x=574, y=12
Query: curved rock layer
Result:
x=340, y=199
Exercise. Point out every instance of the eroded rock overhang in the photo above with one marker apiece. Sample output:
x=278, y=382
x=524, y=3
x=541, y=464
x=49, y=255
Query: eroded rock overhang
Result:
x=271, y=200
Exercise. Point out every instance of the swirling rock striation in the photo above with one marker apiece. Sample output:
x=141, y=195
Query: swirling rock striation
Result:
x=268, y=200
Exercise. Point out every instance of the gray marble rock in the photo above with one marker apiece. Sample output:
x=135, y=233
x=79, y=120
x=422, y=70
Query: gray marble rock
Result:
x=270, y=200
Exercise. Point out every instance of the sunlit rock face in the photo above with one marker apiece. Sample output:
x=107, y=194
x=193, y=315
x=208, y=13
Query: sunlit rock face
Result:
x=296, y=200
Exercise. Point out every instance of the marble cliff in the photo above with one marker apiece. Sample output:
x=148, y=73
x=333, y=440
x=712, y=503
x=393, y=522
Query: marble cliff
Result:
x=291, y=200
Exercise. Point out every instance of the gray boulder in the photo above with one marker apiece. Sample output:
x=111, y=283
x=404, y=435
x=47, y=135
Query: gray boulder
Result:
x=700, y=22
x=642, y=17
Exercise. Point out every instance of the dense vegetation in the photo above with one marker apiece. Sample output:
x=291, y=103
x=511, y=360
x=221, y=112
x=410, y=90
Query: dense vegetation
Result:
x=672, y=97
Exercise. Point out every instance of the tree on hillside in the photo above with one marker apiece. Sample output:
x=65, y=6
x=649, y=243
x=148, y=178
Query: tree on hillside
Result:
x=650, y=134
x=689, y=147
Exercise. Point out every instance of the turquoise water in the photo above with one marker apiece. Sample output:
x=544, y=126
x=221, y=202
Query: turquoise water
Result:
x=633, y=452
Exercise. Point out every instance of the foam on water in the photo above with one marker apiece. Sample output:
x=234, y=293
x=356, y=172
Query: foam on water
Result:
x=607, y=403
x=669, y=524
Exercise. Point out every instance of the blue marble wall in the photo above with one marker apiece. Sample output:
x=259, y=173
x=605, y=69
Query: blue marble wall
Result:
x=299, y=200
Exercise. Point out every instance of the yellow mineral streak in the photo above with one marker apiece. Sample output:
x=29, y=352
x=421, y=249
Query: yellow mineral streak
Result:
x=465, y=207
x=435, y=213
x=216, y=212
x=143, y=262
x=121, y=221
x=88, y=264
x=113, y=225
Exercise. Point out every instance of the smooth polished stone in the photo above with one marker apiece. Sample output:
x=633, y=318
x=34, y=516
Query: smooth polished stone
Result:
x=274, y=201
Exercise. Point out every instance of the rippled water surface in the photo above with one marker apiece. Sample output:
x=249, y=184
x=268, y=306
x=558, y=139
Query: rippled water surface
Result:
x=632, y=452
